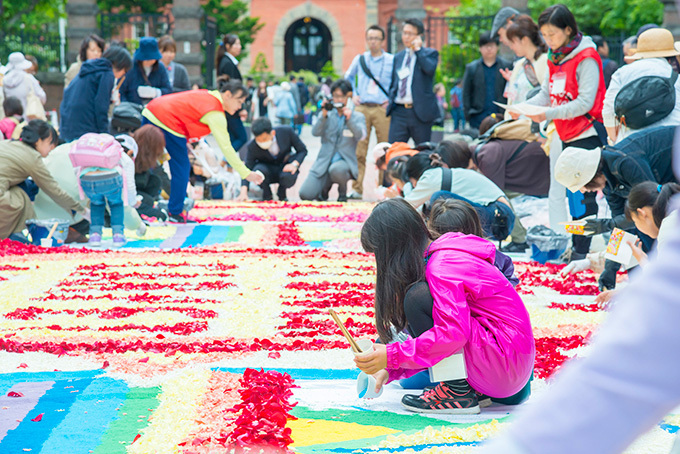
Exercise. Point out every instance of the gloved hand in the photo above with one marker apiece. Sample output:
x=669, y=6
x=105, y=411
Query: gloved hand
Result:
x=599, y=226
x=607, y=280
x=146, y=91
x=576, y=266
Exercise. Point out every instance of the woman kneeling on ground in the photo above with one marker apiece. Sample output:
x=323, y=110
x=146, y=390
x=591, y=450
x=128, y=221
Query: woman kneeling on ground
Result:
x=475, y=335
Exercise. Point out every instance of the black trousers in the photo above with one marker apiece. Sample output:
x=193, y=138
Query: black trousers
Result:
x=405, y=125
x=273, y=173
x=581, y=243
x=418, y=304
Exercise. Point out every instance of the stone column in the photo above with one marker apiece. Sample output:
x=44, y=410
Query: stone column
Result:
x=188, y=32
x=371, y=13
x=520, y=5
x=410, y=9
x=82, y=22
x=671, y=18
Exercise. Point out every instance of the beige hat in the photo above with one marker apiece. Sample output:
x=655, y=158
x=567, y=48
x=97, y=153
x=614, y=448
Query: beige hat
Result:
x=576, y=167
x=656, y=42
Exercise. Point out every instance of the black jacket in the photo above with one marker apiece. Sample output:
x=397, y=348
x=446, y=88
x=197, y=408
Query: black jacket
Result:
x=424, y=99
x=227, y=67
x=286, y=139
x=85, y=106
x=474, y=87
x=643, y=156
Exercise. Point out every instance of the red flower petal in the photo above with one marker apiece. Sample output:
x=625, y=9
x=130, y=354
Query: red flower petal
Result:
x=38, y=418
x=15, y=394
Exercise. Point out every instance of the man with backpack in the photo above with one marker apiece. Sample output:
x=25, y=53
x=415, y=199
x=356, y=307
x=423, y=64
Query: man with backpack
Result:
x=643, y=156
x=370, y=75
x=646, y=92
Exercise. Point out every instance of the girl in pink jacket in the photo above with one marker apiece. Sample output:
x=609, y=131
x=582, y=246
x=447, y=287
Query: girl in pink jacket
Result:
x=473, y=333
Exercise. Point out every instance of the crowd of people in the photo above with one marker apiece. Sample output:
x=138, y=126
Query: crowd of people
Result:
x=561, y=121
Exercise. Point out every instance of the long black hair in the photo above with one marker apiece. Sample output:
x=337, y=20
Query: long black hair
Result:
x=228, y=40
x=651, y=194
x=398, y=237
x=419, y=163
x=559, y=16
x=36, y=130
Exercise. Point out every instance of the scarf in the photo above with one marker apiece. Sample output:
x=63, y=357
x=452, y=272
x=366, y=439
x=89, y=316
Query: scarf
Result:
x=556, y=56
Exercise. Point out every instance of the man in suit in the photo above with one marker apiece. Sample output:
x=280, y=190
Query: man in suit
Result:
x=483, y=82
x=271, y=153
x=413, y=105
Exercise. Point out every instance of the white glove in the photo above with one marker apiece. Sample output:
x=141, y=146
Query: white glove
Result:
x=576, y=266
x=145, y=91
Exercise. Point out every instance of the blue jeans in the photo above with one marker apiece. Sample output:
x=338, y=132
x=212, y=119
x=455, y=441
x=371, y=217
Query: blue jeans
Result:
x=486, y=213
x=458, y=118
x=99, y=192
x=180, y=168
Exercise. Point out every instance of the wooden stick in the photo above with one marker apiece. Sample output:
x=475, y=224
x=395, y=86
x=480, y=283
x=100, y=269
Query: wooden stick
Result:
x=345, y=333
x=52, y=230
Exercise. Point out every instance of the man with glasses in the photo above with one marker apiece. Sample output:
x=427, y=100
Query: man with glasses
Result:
x=370, y=75
x=340, y=128
x=413, y=104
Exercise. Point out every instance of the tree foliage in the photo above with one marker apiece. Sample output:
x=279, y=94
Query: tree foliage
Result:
x=620, y=16
x=234, y=18
x=132, y=6
x=33, y=14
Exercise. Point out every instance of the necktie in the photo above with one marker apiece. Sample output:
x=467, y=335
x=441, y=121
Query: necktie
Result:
x=404, y=81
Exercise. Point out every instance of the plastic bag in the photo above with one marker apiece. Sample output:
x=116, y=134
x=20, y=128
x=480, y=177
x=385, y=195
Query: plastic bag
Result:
x=545, y=243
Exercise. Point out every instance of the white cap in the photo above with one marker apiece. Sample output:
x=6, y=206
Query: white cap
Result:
x=380, y=150
x=18, y=61
x=576, y=167
x=128, y=143
x=285, y=86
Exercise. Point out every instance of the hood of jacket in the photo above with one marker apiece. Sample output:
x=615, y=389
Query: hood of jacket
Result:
x=585, y=43
x=15, y=77
x=469, y=244
x=94, y=66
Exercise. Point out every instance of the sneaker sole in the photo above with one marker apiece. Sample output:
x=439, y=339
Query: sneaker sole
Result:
x=446, y=411
x=485, y=403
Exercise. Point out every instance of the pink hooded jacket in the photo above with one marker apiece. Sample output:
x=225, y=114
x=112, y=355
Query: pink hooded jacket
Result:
x=476, y=309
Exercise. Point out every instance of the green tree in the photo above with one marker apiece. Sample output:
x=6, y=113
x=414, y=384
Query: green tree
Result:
x=327, y=70
x=620, y=16
x=132, y=6
x=234, y=18
x=33, y=14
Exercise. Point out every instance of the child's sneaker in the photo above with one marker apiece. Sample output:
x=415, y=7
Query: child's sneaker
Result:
x=118, y=240
x=95, y=240
x=444, y=398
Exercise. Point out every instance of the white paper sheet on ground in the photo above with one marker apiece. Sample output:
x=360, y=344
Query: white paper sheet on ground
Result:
x=314, y=394
x=524, y=109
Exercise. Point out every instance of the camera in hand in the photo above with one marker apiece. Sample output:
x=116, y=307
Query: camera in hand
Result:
x=329, y=105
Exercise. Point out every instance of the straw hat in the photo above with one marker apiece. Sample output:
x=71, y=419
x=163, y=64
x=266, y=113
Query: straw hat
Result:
x=656, y=42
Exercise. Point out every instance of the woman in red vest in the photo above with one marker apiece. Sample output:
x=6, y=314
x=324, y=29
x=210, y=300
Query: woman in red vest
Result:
x=574, y=92
x=191, y=115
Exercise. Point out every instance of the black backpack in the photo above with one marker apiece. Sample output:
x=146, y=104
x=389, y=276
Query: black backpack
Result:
x=127, y=117
x=645, y=101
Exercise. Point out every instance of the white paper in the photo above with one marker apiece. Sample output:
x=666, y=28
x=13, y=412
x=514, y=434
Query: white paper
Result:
x=618, y=249
x=524, y=109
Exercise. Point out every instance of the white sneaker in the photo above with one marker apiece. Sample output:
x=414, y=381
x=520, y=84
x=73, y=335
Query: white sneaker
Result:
x=141, y=230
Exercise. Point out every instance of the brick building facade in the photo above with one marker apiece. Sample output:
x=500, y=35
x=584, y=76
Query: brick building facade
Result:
x=304, y=34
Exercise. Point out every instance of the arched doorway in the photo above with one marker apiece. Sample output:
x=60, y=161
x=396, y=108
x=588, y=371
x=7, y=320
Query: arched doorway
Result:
x=308, y=45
